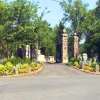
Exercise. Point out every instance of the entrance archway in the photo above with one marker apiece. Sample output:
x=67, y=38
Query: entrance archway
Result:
x=62, y=47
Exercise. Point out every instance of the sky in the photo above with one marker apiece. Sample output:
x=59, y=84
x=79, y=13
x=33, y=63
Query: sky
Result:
x=56, y=13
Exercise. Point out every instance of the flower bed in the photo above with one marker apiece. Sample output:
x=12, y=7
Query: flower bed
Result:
x=18, y=66
x=89, y=67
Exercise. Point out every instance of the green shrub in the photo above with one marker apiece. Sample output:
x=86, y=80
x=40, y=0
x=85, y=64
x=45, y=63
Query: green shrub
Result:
x=73, y=61
x=2, y=69
x=9, y=67
x=17, y=60
x=88, y=68
x=26, y=60
x=33, y=66
x=24, y=68
x=76, y=63
x=14, y=61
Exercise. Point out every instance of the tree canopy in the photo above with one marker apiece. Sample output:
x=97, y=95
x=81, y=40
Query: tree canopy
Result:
x=84, y=22
x=20, y=24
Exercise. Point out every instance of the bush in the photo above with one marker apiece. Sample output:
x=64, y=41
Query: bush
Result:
x=73, y=61
x=2, y=69
x=93, y=65
x=14, y=61
x=76, y=63
x=33, y=66
x=12, y=65
x=26, y=60
x=9, y=67
x=17, y=60
x=24, y=68
x=89, y=68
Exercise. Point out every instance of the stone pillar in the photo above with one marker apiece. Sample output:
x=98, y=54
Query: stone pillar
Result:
x=76, y=45
x=27, y=51
x=64, y=47
x=97, y=68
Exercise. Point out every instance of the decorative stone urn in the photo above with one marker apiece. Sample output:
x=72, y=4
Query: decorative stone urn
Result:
x=51, y=59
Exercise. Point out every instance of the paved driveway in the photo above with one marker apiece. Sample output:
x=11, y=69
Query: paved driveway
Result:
x=55, y=82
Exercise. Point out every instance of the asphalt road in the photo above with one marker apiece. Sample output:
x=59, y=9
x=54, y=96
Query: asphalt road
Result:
x=55, y=82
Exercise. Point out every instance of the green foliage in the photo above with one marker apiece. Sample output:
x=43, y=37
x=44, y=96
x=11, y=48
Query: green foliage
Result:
x=75, y=12
x=6, y=68
x=73, y=61
x=24, y=68
x=2, y=69
x=93, y=65
x=97, y=10
x=84, y=22
x=17, y=60
x=33, y=66
x=20, y=24
x=23, y=14
x=14, y=61
x=26, y=60
x=9, y=67
x=92, y=26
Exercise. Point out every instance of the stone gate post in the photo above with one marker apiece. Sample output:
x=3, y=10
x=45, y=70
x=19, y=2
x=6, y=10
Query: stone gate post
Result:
x=76, y=45
x=64, y=47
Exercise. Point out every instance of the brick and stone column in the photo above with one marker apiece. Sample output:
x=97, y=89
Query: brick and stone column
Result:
x=64, y=47
x=76, y=45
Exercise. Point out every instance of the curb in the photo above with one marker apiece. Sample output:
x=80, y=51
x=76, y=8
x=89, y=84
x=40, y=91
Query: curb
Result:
x=25, y=74
x=88, y=72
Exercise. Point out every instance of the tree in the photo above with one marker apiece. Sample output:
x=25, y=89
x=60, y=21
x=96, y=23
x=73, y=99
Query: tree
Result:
x=20, y=28
x=16, y=23
x=92, y=43
x=23, y=14
x=85, y=22
x=4, y=15
x=21, y=25
x=97, y=10
x=74, y=12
